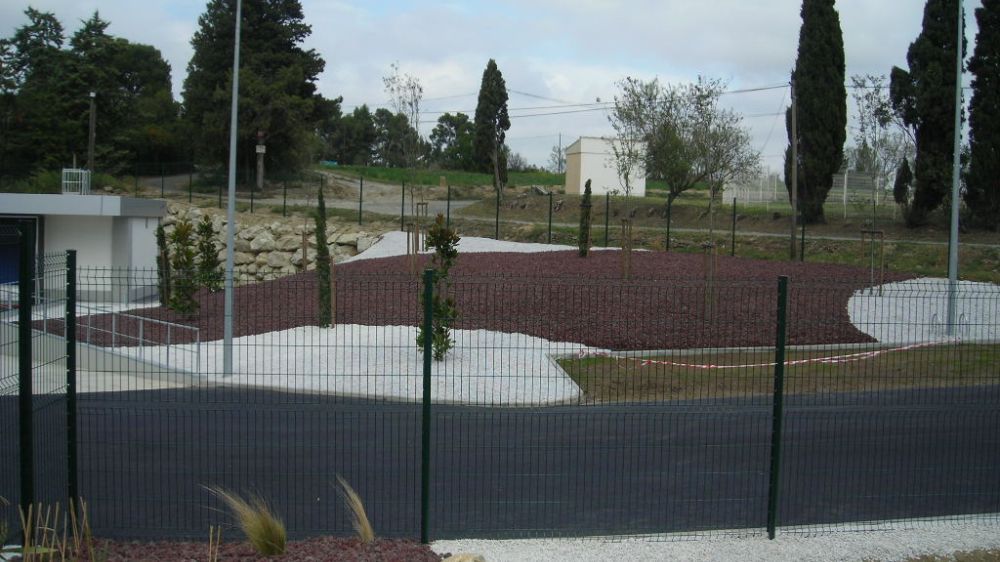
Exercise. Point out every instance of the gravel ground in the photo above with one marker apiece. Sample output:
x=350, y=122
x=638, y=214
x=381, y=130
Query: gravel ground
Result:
x=853, y=545
x=320, y=549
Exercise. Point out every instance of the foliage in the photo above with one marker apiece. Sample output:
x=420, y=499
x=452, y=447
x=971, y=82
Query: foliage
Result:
x=821, y=96
x=924, y=98
x=455, y=178
x=277, y=94
x=451, y=142
x=323, y=267
x=359, y=518
x=901, y=186
x=162, y=266
x=882, y=140
x=491, y=124
x=393, y=138
x=351, y=139
x=44, y=106
x=444, y=242
x=557, y=159
x=184, y=273
x=405, y=94
x=209, y=268
x=632, y=117
x=262, y=527
x=585, y=206
x=982, y=181
x=48, y=533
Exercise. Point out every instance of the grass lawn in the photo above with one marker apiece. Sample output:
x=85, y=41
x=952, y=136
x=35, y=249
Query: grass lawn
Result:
x=454, y=177
x=611, y=380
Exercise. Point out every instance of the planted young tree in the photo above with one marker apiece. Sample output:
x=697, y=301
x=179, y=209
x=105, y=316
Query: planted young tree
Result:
x=162, y=266
x=184, y=274
x=585, y=206
x=924, y=97
x=444, y=241
x=982, y=189
x=821, y=95
x=209, y=267
x=323, y=268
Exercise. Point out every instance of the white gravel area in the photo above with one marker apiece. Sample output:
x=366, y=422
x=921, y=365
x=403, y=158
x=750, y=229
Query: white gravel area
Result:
x=485, y=367
x=915, y=311
x=394, y=244
x=846, y=544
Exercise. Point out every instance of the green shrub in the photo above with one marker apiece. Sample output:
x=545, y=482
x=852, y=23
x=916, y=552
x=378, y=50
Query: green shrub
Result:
x=585, y=206
x=209, y=269
x=444, y=241
x=184, y=276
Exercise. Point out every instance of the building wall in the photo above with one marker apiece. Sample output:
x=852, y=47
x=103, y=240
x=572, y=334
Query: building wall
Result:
x=91, y=237
x=593, y=158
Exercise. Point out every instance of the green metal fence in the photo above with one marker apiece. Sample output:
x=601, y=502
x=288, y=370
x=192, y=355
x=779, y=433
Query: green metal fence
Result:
x=567, y=406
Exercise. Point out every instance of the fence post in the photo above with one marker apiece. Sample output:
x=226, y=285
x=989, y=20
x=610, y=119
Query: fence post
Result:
x=802, y=243
x=607, y=216
x=25, y=297
x=425, y=424
x=402, y=206
x=497, y=234
x=284, y=198
x=778, y=407
x=71, y=465
x=447, y=212
x=550, y=217
x=732, y=244
x=361, y=197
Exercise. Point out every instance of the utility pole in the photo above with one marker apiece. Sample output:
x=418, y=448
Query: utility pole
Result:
x=92, y=135
x=955, y=165
x=562, y=155
x=227, y=345
x=795, y=169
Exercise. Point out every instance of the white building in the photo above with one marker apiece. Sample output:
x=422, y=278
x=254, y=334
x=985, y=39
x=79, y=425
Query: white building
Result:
x=107, y=232
x=593, y=158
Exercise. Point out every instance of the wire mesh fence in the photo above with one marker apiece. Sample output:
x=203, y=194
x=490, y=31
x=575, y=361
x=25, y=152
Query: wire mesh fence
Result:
x=563, y=407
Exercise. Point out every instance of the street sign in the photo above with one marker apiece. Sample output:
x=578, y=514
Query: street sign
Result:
x=261, y=149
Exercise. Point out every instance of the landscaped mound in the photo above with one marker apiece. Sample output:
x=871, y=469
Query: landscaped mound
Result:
x=320, y=549
x=668, y=303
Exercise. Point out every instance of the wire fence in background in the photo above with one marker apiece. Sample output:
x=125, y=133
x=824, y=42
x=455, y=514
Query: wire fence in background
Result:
x=564, y=407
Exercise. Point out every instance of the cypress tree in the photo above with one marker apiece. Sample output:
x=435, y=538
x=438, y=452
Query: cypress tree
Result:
x=585, y=206
x=901, y=189
x=924, y=97
x=491, y=123
x=209, y=267
x=323, y=264
x=819, y=76
x=163, y=266
x=982, y=183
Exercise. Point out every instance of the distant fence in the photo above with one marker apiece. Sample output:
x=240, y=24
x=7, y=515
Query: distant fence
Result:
x=565, y=407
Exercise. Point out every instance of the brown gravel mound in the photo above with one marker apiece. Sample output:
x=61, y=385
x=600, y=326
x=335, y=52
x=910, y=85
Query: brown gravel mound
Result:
x=320, y=549
x=666, y=304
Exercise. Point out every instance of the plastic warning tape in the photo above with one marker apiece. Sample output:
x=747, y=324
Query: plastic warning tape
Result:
x=848, y=358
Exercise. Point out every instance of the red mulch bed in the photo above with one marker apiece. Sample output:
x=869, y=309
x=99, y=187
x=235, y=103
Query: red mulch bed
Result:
x=555, y=295
x=316, y=549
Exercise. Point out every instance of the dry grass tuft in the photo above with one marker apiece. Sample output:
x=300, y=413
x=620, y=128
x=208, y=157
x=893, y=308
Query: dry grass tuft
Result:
x=263, y=529
x=359, y=519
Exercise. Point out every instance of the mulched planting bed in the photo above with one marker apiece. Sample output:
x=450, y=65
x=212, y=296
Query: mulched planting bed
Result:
x=317, y=549
x=667, y=303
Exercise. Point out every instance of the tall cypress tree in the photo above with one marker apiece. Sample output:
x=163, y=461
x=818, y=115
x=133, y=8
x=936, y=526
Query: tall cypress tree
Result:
x=819, y=76
x=982, y=183
x=924, y=97
x=491, y=124
x=322, y=264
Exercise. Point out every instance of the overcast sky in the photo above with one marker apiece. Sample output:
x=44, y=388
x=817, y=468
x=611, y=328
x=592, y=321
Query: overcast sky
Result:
x=551, y=52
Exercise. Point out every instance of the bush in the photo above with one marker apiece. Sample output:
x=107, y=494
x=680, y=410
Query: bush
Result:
x=444, y=241
x=209, y=269
x=184, y=277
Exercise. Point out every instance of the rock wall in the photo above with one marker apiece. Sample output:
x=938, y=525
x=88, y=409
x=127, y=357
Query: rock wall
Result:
x=269, y=247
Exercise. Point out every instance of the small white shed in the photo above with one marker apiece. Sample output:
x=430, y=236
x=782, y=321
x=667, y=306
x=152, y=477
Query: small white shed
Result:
x=593, y=158
x=111, y=233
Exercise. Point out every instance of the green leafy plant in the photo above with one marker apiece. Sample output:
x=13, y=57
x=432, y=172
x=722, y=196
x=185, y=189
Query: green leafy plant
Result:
x=359, y=518
x=585, y=206
x=209, y=267
x=444, y=242
x=323, y=268
x=162, y=266
x=184, y=276
x=262, y=527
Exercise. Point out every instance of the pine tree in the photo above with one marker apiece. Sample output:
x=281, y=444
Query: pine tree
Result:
x=491, y=123
x=277, y=81
x=924, y=97
x=901, y=188
x=209, y=267
x=585, y=206
x=982, y=183
x=323, y=272
x=818, y=76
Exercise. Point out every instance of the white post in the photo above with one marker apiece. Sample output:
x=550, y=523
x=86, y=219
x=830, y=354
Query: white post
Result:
x=845, y=192
x=227, y=346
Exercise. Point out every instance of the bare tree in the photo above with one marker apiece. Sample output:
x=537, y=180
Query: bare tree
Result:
x=881, y=137
x=405, y=94
x=557, y=159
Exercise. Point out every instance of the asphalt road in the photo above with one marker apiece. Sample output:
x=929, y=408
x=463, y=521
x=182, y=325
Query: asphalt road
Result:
x=568, y=470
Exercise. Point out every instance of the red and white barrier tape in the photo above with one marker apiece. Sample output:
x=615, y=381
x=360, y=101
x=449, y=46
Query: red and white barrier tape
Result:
x=848, y=358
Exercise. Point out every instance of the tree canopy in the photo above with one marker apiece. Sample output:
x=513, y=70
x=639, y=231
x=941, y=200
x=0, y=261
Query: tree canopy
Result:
x=821, y=95
x=982, y=189
x=924, y=98
x=491, y=124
